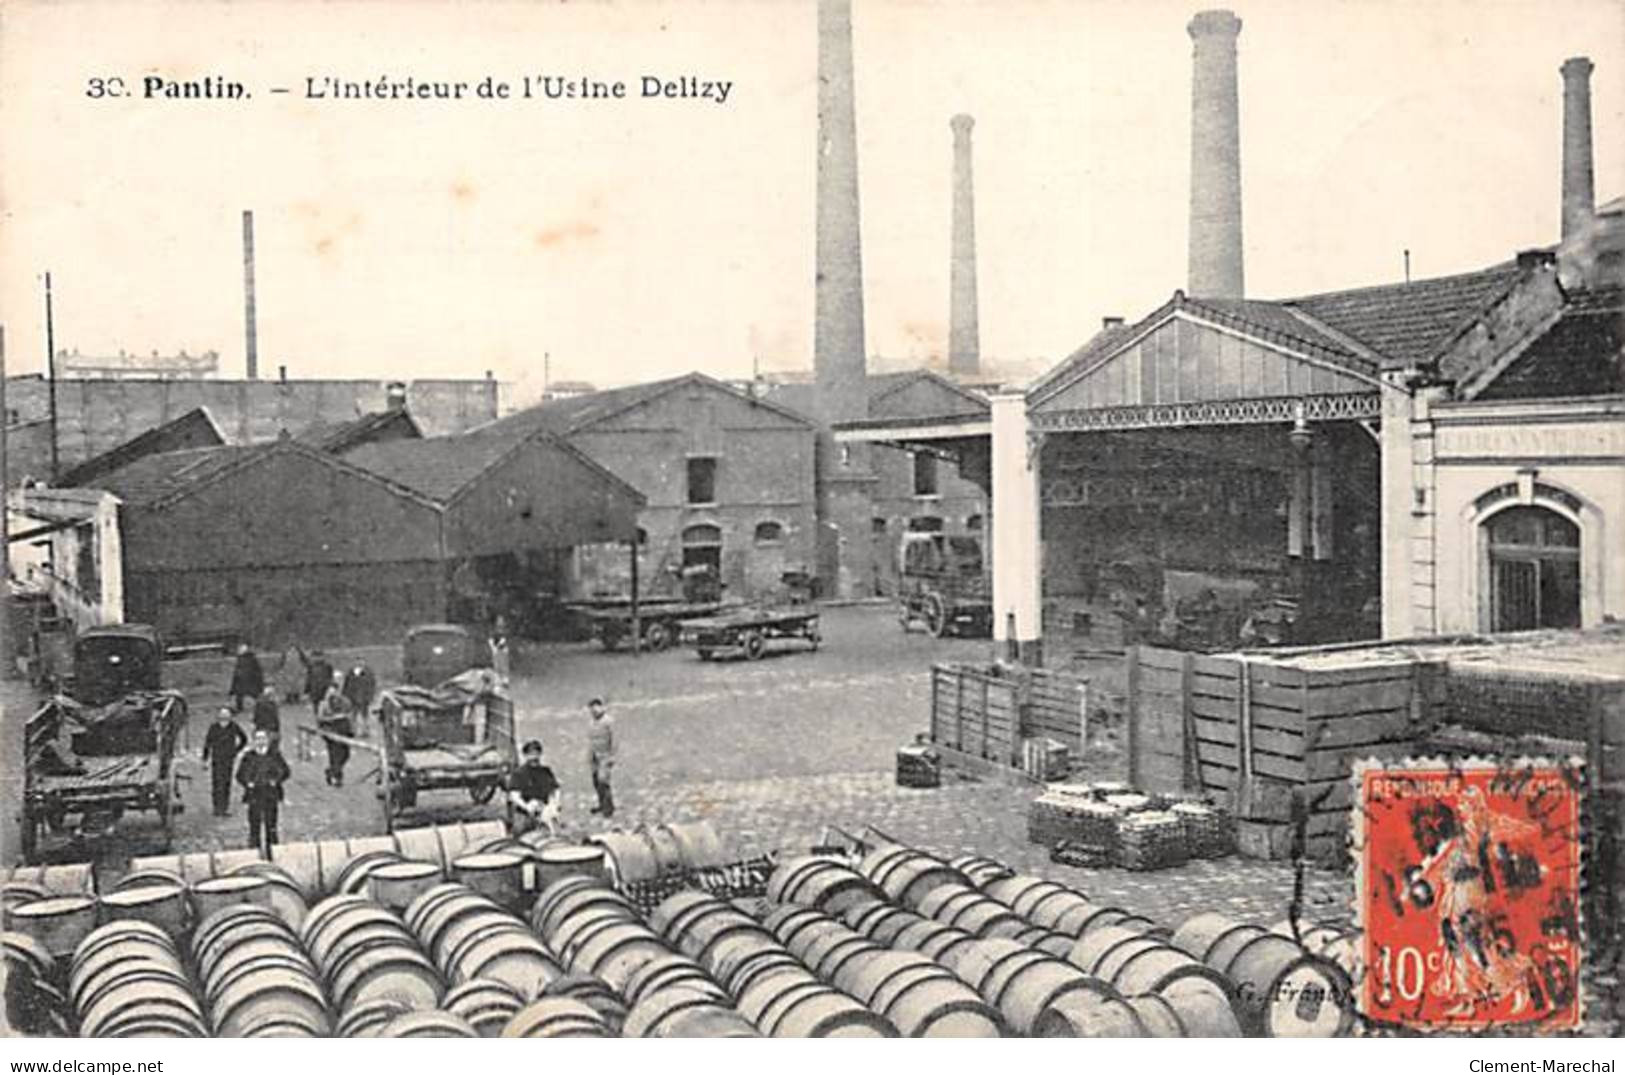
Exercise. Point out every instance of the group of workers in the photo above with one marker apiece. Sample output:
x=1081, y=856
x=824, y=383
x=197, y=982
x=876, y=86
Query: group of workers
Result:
x=337, y=699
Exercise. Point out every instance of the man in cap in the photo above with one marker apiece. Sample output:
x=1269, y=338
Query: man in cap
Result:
x=262, y=772
x=533, y=791
x=221, y=746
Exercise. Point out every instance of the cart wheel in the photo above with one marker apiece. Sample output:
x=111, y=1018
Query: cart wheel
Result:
x=482, y=793
x=936, y=616
x=656, y=636
x=755, y=646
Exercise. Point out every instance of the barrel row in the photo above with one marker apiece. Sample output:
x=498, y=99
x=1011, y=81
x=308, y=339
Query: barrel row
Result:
x=1282, y=989
x=366, y=954
x=316, y=865
x=127, y=979
x=23, y=883
x=1173, y=992
x=255, y=978
x=470, y=937
x=1039, y=994
x=907, y=875
x=913, y=992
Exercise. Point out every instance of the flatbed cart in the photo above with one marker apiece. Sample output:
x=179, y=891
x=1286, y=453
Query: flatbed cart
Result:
x=460, y=735
x=659, y=620
x=747, y=631
x=87, y=766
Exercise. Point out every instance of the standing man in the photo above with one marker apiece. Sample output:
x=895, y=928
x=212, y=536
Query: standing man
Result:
x=333, y=717
x=533, y=792
x=247, y=678
x=501, y=657
x=220, y=749
x=601, y=755
x=268, y=715
x=262, y=772
x=318, y=676
x=360, y=687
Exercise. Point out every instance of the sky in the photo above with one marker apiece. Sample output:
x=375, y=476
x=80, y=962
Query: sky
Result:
x=640, y=238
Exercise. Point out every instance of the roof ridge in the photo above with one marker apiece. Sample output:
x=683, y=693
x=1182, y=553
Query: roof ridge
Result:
x=1500, y=267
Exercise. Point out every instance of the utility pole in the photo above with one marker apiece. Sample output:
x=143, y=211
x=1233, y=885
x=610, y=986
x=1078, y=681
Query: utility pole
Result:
x=50, y=373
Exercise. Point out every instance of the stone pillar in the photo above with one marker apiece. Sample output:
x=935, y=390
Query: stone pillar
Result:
x=964, y=343
x=1579, y=192
x=1322, y=512
x=1398, y=500
x=1016, y=551
x=1215, y=228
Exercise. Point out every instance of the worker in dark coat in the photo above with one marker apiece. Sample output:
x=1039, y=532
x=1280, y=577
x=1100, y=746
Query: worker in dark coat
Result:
x=220, y=749
x=318, y=676
x=333, y=717
x=268, y=715
x=533, y=793
x=247, y=678
x=262, y=772
x=360, y=687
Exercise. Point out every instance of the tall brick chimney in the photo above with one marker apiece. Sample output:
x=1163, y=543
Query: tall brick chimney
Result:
x=251, y=337
x=838, y=341
x=1215, y=234
x=1579, y=193
x=964, y=340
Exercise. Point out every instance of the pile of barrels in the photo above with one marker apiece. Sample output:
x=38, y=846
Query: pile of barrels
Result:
x=895, y=942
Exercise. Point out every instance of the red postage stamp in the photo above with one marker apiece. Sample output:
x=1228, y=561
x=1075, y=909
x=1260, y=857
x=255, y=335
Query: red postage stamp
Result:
x=1468, y=892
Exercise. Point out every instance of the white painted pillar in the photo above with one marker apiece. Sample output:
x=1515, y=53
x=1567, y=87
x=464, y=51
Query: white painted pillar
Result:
x=1398, y=500
x=110, y=562
x=1016, y=551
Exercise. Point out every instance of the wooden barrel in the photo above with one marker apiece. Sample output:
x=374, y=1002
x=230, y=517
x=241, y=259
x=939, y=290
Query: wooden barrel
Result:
x=353, y=877
x=397, y=884
x=579, y=929
x=703, y=1022
x=464, y=923
x=366, y=1019
x=1205, y=1010
x=906, y=875
x=432, y=907
x=556, y=1017
x=557, y=861
x=149, y=876
x=284, y=894
x=669, y=970
x=485, y=1005
x=498, y=875
x=975, y=913
x=211, y=895
x=736, y=951
x=1023, y=892
x=695, y=921
x=1198, y=934
x=366, y=845
x=817, y=1011
x=592, y=992
x=616, y=953
x=932, y=938
x=515, y=959
x=1088, y=1015
x=302, y=863
x=271, y=992
x=1134, y=963
x=252, y=960
x=570, y=896
x=668, y=853
x=226, y=862
x=170, y=864
x=422, y=1024
x=287, y=1025
x=981, y=870
x=147, y=1007
x=658, y=1014
x=919, y=996
x=698, y=844
x=58, y=923
x=476, y=833
x=399, y=973
x=17, y=893
x=197, y=866
x=163, y=905
x=331, y=857
x=745, y=972
x=70, y=879
x=1020, y=982
x=419, y=845
x=1340, y=945
x=1159, y=1018
x=1285, y=991
x=233, y=925
x=823, y=883
x=629, y=855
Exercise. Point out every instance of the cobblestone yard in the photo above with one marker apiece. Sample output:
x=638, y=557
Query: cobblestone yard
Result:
x=772, y=752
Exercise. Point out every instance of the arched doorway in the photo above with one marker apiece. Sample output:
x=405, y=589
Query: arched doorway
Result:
x=1533, y=559
x=702, y=546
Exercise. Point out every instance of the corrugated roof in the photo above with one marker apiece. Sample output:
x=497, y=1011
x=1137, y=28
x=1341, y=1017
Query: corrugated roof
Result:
x=339, y=437
x=1408, y=323
x=195, y=424
x=436, y=467
x=153, y=477
x=564, y=416
x=802, y=397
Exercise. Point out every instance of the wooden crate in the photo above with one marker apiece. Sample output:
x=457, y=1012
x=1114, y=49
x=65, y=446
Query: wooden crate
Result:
x=988, y=713
x=1308, y=726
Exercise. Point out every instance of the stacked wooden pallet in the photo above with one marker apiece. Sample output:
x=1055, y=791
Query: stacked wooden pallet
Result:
x=1151, y=840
